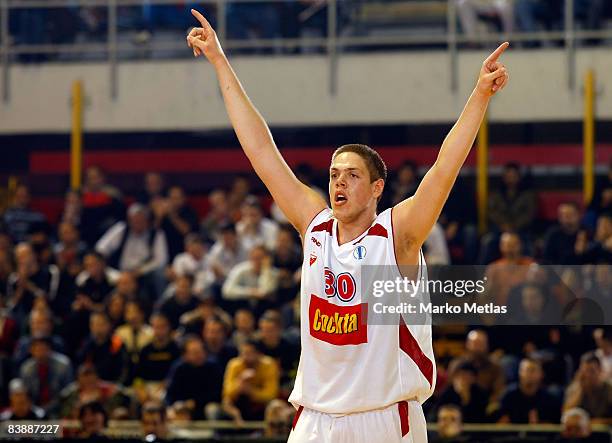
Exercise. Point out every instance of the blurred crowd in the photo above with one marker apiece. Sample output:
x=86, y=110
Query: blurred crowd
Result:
x=289, y=19
x=135, y=307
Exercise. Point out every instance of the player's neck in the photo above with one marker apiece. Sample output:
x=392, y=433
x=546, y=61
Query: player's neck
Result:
x=349, y=230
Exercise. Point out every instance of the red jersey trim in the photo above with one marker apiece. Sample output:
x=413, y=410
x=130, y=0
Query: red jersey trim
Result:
x=410, y=346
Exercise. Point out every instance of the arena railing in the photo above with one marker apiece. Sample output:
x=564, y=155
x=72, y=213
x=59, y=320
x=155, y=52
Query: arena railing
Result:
x=333, y=44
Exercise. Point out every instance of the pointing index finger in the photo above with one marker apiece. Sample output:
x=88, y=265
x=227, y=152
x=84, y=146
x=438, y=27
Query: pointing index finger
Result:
x=201, y=19
x=498, y=52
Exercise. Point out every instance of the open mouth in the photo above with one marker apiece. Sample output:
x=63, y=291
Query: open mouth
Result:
x=340, y=198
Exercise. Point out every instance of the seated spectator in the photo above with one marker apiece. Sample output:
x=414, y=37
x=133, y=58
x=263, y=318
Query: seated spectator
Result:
x=101, y=206
x=470, y=11
x=273, y=344
x=253, y=228
x=599, y=250
x=218, y=350
x=127, y=286
x=238, y=193
x=175, y=218
x=251, y=381
x=94, y=283
x=104, y=351
x=529, y=402
x=278, y=418
x=88, y=387
x=194, y=261
x=46, y=373
x=450, y=425
x=181, y=301
x=512, y=208
x=41, y=325
x=136, y=246
x=508, y=271
x=244, y=326
x=29, y=281
x=226, y=253
x=192, y=322
x=93, y=420
x=69, y=250
x=195, y=380
x=435, y=248
x=489, y=374
x=19, y=218
x=576, y=425
x=153, y=422
x=533, y=307
x=464, y=392
x=560, y=240
x=589, y=391
x=254, y=281
x=404, y=184
x=603, y=339
x=154, y=187
x=218, y=215
x=287, y=258
x=20, y=404
x=135, y=334
x=115, y=309
x=156, y=359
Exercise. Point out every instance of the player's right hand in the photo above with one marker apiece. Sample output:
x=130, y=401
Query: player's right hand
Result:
x=204, y=41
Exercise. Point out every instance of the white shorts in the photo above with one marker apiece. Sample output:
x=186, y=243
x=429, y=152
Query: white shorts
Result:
x=402, y=422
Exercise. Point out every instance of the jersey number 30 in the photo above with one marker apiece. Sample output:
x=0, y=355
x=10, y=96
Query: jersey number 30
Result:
x=343, y=285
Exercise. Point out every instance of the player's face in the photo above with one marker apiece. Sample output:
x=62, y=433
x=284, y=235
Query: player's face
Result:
x=350, y=189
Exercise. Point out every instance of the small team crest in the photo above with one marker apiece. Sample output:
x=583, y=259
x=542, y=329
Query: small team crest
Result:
x=313, y=258
x=359, y=252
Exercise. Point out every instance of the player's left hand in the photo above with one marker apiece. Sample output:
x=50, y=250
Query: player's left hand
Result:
x=493, y=74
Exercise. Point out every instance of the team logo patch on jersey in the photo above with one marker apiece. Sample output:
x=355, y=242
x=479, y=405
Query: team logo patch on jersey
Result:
x=359, y=252
x=313, y=258
x=338, y=325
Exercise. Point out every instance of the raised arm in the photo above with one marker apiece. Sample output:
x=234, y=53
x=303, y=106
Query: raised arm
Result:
x=414, y=217
x=299, y=203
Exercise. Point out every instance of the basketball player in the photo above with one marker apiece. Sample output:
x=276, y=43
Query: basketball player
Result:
x=356, y=382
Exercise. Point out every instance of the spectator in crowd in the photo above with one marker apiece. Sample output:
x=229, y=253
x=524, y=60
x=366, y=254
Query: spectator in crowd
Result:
x=127, y=286
x=278, y=418
x=135, y=246
x=104, y=351
x=576, y=425
x=95, y=283
x=156, y=359
x=405, y=183
x=181, y=301
x=599, y=250
x=88, y=387
x=226, y=253
x=450, y=425
x=435, y=248
x=194, y=379
x=251, y=381
x=153, y=421
x=508, y=271
x=240, y=190
x=20, y=404
x=154, y=188
x=499, y=11
x=254, y=281
x=135, y=334
x=528, y=401
x=19, y=218
x=41, y=325
x=273, y=344
x=533, y=307
x=244, y=326
x=195, y=262
x=463, y=391
x=253, y=228
x=287, y=258
x=489, y=374
x=589, y=391
x=102, y=206
x=73, y=206
x=218, y=215
x=218, y=350
x=603, y=339
x=560, y=240
x=46, y=373
x=192, y=322
x=29, y=281
x=93, y=420
x=69, y=250
x=175, y=218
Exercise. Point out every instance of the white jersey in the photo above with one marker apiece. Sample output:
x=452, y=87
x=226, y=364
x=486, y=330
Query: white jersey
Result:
x=346, y=365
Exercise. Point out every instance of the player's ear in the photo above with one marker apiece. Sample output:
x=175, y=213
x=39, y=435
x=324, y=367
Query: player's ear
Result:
x=378, y=185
